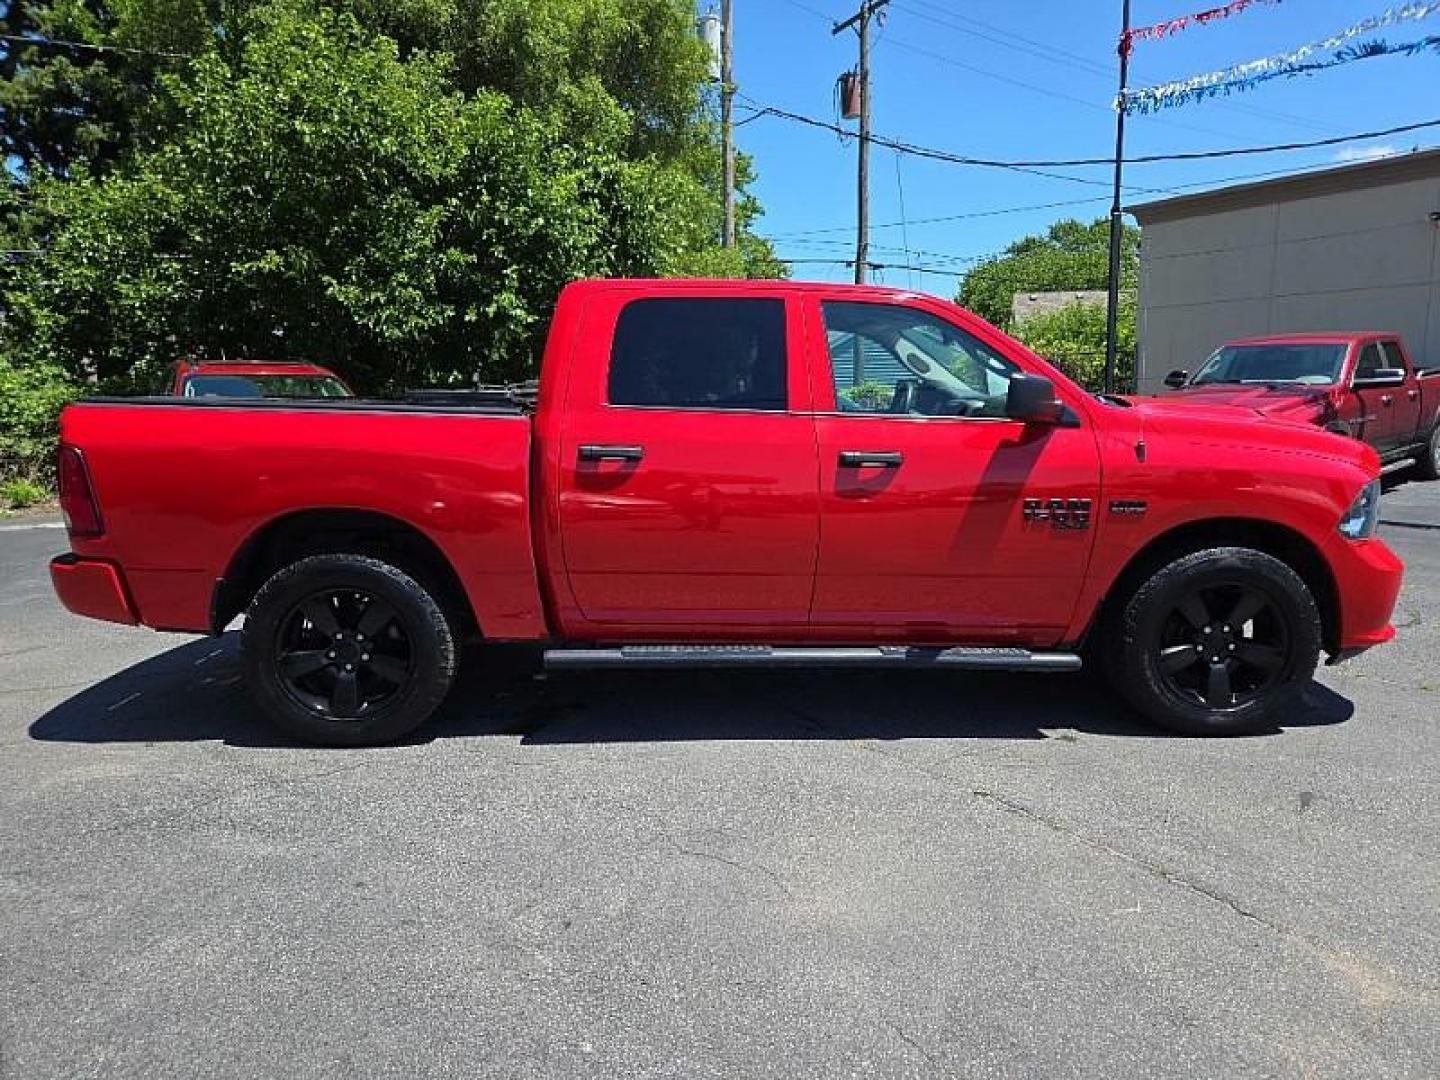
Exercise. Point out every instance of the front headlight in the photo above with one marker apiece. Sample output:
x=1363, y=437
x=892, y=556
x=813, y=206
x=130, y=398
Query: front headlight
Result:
x=1364, y=514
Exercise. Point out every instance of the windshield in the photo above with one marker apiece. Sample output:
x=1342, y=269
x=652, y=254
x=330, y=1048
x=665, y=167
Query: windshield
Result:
x=271, y=386
x=1317, y=364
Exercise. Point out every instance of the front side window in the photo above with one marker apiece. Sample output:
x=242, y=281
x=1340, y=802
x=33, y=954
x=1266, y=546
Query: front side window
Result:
x=1369, y=362
x=893, y=360
x=1276, y=362
x=700, y=353
x=1394, y=359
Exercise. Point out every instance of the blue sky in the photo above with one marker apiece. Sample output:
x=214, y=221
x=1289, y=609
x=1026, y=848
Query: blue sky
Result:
x=1013, y=79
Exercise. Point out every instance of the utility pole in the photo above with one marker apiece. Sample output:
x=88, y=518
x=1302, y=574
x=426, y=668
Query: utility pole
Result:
x=727, y=93
x=1117, y=220
x=861, y=21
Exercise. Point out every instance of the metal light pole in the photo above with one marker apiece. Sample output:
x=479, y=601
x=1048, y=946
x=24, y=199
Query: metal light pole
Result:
x=1117, y=221
x=727, y=94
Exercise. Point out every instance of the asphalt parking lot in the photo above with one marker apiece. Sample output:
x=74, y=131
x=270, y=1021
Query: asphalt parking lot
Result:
x=680, y=875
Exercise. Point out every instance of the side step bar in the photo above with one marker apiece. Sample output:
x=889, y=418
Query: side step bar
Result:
x=1397, y=465
x=964, y=658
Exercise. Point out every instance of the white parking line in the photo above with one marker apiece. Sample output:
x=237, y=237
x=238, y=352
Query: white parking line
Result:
x=35, y=525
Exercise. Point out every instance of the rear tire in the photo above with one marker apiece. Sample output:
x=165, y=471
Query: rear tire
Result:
x=1429, y=467
x=1218, y=642
x=347, y=650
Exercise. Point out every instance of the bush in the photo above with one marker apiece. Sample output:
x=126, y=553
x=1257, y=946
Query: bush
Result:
x=19, y=493
x=30, y=402
x=1073, y=339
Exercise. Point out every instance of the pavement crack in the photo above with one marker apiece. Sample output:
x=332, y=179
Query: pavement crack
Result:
x=662, y=830
x=1164, y=873
x=899, y=1033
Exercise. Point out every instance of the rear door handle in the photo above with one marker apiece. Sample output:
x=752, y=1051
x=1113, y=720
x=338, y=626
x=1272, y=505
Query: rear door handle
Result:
x=871, y=459
x=1387, y=399
x=593, y=452
x=1412, y=394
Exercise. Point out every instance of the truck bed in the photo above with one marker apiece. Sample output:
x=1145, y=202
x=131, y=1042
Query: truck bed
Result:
x=189, y=486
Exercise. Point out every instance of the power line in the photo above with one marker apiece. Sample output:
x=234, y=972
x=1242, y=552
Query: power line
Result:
x=933, y=154
x=1143, y=159
x=60, y=43
x=874, y=266
x=1041, y=50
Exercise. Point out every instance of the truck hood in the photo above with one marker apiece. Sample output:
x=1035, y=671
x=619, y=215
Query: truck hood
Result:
x=1288, y=401
x=1286, y=426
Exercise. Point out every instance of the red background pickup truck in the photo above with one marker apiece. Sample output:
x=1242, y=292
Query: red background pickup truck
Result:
x=255, y=378
x=1364, y=385
x=736, y=473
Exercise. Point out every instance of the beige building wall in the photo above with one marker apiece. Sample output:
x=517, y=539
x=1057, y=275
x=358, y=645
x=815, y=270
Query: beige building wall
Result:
x=1350, y=249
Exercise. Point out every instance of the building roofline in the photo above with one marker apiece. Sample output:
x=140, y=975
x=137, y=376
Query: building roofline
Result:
x=1399, y=168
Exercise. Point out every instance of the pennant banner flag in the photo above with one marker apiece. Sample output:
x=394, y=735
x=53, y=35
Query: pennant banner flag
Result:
x=1174, y=26
x=1332, y=52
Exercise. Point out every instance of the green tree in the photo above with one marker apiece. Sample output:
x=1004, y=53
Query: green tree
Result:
x=1073, y=339
x=1070, y=255
x=405, y=207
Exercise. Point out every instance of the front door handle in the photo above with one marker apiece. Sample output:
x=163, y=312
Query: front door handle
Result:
x=594, y=452
x=1387, y=399
x=871, y=459
x=1412, y=394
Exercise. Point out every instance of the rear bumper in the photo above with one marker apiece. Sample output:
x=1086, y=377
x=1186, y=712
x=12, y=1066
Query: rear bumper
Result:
x=92, y=588
x=1367, y=577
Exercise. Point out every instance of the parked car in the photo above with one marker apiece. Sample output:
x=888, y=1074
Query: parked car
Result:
x=255, y=379
x=1363, y=385
x=736, y=474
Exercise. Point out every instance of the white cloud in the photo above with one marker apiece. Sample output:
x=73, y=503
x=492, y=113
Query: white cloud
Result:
x=1366, y=153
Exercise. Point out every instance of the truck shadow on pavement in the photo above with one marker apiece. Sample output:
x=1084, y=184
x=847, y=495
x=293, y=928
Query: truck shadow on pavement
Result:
x=194, y=693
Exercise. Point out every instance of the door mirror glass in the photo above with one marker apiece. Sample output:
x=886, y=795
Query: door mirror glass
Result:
x=1380, y=377
x=1031, y=398
x=1177, y=379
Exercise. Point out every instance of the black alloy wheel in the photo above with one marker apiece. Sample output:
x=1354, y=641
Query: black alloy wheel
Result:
x=1221, y=641
x=344, y=649
x=1223, y=646
x=342, y=653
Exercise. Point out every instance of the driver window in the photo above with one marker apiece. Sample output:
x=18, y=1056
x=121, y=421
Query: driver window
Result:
x=887, y=359
x=1370, y=362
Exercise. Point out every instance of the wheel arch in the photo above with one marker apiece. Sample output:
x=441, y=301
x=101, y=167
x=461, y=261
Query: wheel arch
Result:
x=1279, y=541
x=285, y=539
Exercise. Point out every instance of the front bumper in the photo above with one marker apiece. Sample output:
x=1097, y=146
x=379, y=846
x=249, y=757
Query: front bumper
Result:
x=1367, y=578
x=92, y=588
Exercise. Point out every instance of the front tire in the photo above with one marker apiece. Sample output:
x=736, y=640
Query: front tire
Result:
x=1429, y=467
x=1218, y=642
x=347, y=650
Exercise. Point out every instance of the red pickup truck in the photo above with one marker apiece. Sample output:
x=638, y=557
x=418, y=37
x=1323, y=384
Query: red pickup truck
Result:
x=1363, y=385
x=736, y=474
x=254, y=378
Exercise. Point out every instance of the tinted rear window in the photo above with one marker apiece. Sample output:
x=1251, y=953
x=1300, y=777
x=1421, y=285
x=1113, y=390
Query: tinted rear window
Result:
x=700, y=354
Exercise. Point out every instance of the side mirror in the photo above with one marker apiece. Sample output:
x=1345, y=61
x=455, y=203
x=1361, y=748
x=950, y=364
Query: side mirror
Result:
x=1031, y=398
x=1177, y=378
x=1385, y=376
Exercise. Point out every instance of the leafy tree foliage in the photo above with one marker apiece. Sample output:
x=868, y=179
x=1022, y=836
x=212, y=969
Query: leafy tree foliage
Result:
x=1068, y=256
x=396, y=189
x=1073, y=339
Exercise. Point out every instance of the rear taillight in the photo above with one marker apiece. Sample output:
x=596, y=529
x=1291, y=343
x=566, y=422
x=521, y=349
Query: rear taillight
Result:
x=77, y=497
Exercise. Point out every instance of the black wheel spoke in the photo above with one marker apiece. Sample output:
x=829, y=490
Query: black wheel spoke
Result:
x=376, y=617
x=389, y=669
x=302, y=662
x=1268, y=658
x=321, y=615
x=346, y=676
x=345, y=695
x=1217, y=686
x=1194, y=612
x=1250, y=604
x=1177, y=658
